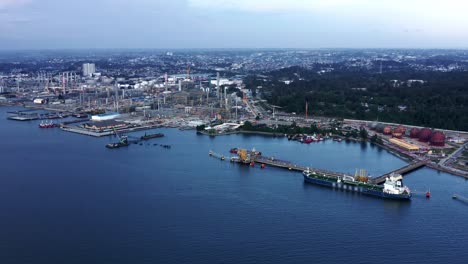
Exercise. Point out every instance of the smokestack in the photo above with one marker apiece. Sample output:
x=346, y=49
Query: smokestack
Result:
x=306, y=109
x=180, y=85
x=217, y=84
x=63, y=83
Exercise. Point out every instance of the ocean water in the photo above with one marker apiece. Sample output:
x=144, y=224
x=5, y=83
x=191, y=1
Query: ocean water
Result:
x=65, y=198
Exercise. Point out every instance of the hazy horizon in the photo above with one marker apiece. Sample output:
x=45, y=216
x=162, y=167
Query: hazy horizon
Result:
x=232, y=24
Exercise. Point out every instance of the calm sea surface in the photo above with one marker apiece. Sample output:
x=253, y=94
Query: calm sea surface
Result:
x=65, y=198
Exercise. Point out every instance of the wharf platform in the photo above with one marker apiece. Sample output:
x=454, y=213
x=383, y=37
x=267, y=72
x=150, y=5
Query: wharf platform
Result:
x=23, y=118
x=92, y=133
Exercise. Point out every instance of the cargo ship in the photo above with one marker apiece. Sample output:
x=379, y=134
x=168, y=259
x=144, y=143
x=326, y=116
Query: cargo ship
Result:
x=393, y=187
x=149, y=136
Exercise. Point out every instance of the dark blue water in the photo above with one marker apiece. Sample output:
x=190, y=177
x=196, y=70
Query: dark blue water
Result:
x=65, y=198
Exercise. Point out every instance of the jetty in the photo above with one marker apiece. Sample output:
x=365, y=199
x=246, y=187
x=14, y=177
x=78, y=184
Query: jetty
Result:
x=403, y=170
x=250, y=158
x=216, y=155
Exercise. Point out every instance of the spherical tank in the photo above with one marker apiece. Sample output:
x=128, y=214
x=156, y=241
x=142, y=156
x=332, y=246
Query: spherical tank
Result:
x=397, y=134
x=437, y=139
x=425, y=134
x=414, y=133
x=387, y=130
x=401, y=129
x=379, y=128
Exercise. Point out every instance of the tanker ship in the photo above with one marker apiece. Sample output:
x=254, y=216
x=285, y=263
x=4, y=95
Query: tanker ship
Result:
x=393, y=187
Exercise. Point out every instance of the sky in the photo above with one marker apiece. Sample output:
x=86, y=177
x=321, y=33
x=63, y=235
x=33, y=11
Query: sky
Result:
x=175, y=24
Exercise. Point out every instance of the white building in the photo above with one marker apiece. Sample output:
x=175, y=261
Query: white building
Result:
x=106, y=116
x=88, y=69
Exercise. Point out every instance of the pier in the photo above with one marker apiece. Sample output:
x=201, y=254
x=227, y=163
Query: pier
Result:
x=403, y=170
x=252, y=159
x=291, y=166
x=216, y=155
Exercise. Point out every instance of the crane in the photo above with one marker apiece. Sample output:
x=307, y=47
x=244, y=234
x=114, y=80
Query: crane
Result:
x=122, y=139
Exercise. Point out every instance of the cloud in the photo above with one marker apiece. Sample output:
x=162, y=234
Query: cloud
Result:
x=274, y=5
x=429, y=7
x=6, y=4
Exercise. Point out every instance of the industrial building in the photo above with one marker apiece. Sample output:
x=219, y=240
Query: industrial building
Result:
x=88, y=69
x=404, y=145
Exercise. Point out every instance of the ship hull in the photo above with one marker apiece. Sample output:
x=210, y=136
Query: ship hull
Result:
x=146, y=137
x=355, y=188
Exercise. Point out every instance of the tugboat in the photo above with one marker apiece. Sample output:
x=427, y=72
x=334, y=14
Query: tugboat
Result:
x=392, y=188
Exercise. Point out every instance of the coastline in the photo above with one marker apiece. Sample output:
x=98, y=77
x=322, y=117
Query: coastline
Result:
x=392, y=151
x=271, y=134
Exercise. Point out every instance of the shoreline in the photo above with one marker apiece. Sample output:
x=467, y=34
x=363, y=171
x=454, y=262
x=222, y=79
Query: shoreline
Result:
x=392, y=151
x=271, y=134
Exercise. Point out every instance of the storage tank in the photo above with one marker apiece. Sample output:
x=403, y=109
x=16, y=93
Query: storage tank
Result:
x=438, y=139
x=425, y=135
x=379, y=128
x=387, y=130
x=401, y=129
x=397, y=134
x=414, y=133
x=39, y=101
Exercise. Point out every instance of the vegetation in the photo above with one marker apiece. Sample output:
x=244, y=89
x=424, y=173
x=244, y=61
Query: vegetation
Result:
x=440, y=102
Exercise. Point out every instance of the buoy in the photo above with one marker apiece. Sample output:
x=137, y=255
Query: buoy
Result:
x=428, y=194
x=263, y=166
x=252, y=164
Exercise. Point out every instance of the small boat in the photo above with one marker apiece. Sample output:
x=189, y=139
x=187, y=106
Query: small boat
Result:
x=80, y=115
x=233, y=150
x=47, y=125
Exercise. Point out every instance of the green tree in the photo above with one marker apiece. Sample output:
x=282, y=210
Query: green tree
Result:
x=363, y=133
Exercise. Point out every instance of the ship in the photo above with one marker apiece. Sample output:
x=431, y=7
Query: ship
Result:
x=123, y=142
x=80, y=115
x=47, y=125
x=393, y=187
x=149, y=136
x=234, y=150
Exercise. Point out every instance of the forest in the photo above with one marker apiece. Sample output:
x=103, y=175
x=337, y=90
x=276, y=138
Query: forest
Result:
x=440, y=101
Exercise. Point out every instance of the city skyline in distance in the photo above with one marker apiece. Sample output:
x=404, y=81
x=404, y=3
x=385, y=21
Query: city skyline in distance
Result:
x=205, y=24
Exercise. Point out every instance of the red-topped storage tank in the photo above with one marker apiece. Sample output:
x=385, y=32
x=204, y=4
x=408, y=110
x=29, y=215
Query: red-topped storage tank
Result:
x=414, y=133
x=438, y=139
x=401, y=129
x=387, y=130
x=425, y=135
